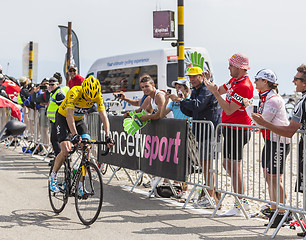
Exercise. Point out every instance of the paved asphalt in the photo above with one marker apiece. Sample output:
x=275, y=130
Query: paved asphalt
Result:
x=25, y=212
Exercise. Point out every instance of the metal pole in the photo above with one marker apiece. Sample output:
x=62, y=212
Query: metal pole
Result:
x=69, y=37
x=180, y=40
x=31, y=60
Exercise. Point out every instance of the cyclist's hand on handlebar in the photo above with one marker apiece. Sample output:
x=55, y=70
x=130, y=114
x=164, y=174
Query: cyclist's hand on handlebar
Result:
x=76, y=139
x=109, y=141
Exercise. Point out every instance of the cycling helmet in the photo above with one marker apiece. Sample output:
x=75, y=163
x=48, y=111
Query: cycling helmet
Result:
x=91, y=87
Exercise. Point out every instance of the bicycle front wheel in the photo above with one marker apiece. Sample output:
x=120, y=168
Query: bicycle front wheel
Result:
x=58, y=200
x=89, y=194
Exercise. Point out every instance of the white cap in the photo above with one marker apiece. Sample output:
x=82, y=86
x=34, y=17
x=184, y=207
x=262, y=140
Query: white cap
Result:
x=266, y=74
x=182, y=81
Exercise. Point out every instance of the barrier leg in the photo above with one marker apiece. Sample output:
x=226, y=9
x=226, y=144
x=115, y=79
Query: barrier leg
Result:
x=156, y=181
x=114, y=173
x=113, y=169
x=280, y=224
x=271, y=220
x=209, y=198
x=299, y=221
x=218, y=205
x=138, y=179
x=241, y=207
x=189, y=196
x=129, y=176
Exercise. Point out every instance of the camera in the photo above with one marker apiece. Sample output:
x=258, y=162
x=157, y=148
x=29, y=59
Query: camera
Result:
x=43, y=87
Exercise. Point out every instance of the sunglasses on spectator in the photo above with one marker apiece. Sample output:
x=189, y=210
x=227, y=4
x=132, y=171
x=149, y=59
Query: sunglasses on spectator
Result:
x=296, y=78
x=72, y=70
x=51, y=84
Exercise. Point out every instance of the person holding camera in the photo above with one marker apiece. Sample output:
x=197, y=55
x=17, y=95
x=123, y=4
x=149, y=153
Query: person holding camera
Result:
x=272, y=109
x=202, y=105
x=182, y=87
x=237, y=88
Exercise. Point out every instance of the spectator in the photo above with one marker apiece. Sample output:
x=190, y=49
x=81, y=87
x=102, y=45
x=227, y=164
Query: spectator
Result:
x=57, y=96
x=202, y=105
x=10, y=88
x=237, y=88
x=154, y=102
x=182, y=87
x=272, y=109
x=298, y=121
x=74, y=78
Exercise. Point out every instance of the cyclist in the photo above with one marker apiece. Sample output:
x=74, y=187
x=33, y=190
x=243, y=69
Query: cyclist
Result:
x=69, y=121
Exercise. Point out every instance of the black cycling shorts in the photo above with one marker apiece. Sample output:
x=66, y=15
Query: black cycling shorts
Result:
x=269, y=156
x=62, y=129
x=234, y=141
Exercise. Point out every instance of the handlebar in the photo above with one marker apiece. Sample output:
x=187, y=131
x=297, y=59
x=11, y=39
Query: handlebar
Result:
x=86, y=141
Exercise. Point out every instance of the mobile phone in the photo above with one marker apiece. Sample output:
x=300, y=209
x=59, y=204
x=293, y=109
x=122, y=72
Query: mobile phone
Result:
x=254, y=109
x=169, y=91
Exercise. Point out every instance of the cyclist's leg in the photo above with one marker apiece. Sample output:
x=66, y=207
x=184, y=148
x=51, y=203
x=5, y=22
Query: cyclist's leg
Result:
x=63, y=138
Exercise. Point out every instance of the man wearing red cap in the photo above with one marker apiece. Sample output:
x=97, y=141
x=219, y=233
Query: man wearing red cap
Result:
x=237, y=88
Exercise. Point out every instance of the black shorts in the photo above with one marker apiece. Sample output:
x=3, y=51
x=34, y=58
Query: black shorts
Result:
x=269, y=156
x=234, y=141
x=62, y=129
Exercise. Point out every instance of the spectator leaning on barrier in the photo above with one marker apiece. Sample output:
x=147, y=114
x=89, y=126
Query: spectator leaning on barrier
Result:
x=298, y=121
x=237, y=88
x=154, y=102
x=272, y=109
x=202, y=105
x=182, y=87
x=74, y=78
x=57, y=96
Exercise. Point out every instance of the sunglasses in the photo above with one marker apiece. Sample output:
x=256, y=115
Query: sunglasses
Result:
x=72, y=70
x=51, y=84
x=295, y=79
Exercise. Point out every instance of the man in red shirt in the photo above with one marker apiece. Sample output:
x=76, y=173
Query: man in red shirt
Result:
x=237, y=88
x=10, y=88
x=74, y=78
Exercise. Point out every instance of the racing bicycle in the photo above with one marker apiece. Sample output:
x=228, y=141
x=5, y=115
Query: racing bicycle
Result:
x=83, y=182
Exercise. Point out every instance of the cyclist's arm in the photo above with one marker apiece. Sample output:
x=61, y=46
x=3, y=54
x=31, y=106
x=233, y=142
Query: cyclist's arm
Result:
x=70, y=121
x=286, y=131
x=105, y=121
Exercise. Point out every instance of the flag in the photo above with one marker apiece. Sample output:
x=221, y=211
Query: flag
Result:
x=74, y=55
x=15, y=111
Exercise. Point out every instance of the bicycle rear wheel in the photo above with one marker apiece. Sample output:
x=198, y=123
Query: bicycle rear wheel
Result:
x=89, y=203
x=58, y=200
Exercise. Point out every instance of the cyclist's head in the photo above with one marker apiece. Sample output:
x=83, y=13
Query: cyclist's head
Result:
x=91, y=88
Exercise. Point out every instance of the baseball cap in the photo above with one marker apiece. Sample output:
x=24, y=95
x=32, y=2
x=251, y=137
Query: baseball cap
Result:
x=183, y=81
x=194, y=71
x=239, y=60
x=266, y=74
x=72, y=66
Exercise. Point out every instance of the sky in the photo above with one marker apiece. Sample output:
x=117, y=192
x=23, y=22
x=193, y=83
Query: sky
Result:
x=270, y=32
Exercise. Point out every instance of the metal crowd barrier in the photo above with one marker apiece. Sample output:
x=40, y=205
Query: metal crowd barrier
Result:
x=206, y=167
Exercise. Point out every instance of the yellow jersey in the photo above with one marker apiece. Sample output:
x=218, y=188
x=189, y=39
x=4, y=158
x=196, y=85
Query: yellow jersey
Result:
x=74, y=100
